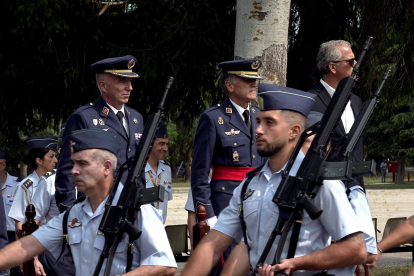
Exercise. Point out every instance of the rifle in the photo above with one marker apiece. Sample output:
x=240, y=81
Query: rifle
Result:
x=119, y=219
x=346, y=169
x=295, y=193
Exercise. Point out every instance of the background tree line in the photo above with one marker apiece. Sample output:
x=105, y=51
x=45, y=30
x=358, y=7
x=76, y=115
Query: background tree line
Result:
x=47, y=46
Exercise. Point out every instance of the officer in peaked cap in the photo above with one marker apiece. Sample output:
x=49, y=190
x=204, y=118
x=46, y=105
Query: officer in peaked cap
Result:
x=280, y=125
x=158, y=170
x=225, y=139
x=108, y=113
x=94, y=161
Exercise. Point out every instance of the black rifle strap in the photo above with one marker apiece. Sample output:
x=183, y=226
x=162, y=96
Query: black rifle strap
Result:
x=65, y=241
x=295, y=235
x=249, y=176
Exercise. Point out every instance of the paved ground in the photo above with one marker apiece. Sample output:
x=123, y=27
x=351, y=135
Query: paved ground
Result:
x=384, y=204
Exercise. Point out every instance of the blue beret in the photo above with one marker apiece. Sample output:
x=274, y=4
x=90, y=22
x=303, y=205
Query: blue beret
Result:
x=93, y=139
x=245, y=68
x=2, y=154
x=118, y=66
x=274, y=97
x=162, y=131
x=313, y=118
x=46, y=142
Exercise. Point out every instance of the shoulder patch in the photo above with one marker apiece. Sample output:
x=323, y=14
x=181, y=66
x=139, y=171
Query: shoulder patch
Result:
x=27, y=184
x=49, y=173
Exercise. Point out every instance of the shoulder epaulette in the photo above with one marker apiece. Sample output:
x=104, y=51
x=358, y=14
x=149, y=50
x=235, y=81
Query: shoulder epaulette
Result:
x=27, y=184
x=49, y=173
x=254, y=171
x=216, y=106
x=166, y=162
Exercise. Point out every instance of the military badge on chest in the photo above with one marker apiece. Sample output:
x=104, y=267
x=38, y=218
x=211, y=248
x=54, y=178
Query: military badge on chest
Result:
x=74, y=223
x=236, y=156
x=220, y=121
x=232, y=132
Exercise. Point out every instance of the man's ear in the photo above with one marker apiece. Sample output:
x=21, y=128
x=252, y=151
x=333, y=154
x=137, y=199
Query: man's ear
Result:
x=108, y=167
x=229, y=86
x=332, y=68
x=102, y=85
x=294, y=131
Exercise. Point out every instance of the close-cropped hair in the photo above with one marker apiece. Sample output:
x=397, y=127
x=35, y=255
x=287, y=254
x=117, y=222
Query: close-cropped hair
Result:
x=328, y=52
x=101, y=155
x=30, y=158
x=226, y=77
x=98, y=77
x=293, y=118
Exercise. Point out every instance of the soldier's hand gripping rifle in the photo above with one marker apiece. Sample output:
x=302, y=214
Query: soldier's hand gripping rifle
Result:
x=346, y=169
x=295, y=193
x=119, y=217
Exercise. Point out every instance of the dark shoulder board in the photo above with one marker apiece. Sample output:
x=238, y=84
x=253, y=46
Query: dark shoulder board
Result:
x=49, y=173
x=166, y=162
x=27, y=184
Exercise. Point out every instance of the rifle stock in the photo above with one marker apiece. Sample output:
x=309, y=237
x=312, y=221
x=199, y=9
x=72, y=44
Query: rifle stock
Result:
x=119, y=219
x=295, y=193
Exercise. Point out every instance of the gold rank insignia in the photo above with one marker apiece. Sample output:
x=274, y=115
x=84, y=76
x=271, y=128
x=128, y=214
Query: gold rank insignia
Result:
x=135, y=120
x=229, y=110
x=236, y=156
x=101, y=122
x=95, y=121
x=255, y=65
x=71, y=146
x=248, y=194
x=105, y=110
x=232, y=132
x=220, y=121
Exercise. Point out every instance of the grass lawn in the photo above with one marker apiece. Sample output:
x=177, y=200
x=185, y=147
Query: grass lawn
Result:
x=388, y=270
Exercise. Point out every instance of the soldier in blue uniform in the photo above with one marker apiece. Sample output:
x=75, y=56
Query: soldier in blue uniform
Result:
x=280, y=123
x=94, y=162
x=225, y=139
x=109, y=113
x=158, y=171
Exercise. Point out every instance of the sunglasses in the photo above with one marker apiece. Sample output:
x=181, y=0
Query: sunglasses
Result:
x=350, y=61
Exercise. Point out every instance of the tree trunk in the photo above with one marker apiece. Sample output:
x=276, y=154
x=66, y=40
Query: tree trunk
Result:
x=262, y=32
x=400, y=171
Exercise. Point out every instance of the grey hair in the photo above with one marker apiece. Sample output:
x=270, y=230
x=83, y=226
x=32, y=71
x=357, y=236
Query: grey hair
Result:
x=226, y=77
x=98, y=78
x=293, y=118
x=101, y=156
x=329, y=52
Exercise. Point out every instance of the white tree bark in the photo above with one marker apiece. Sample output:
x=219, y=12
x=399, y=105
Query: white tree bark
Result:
x=262, y=32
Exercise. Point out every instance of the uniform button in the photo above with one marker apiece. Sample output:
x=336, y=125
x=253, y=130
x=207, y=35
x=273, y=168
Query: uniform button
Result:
x=86, y=261
x=235, y=144
x=223, y=189
x=254, y=156
x=87, y=240
x=252, y=142
x=218, y=104
x=129, y=150
x=266, y=207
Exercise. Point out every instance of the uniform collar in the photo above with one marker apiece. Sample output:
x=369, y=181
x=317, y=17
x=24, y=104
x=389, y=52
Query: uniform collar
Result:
x=116, y=110
x=160, y=168
x=266, y=172
x=9, y=180
x=240, y=109
x=86, y=204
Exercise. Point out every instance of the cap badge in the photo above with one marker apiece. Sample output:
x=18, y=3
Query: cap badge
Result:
x=101, y=122
x=232, y=132
x=95, y=121
x=255, y=65
x=236, y=156
x=220, y=121
x=135, y=120
x=105, y=110
x=131, y=64
x=229, y=110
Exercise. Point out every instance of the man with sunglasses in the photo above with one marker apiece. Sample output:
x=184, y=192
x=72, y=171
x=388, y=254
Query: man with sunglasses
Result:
x=336, y=61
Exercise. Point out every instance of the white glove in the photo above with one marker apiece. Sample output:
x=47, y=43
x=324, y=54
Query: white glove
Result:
x=211, y=222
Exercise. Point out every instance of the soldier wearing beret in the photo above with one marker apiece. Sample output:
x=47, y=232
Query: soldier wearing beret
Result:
x=280, y=123
x=158, y=171
x=94, y=162
x=108, y=113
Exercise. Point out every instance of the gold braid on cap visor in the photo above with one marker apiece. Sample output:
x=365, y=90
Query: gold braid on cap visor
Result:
x=245, y=74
